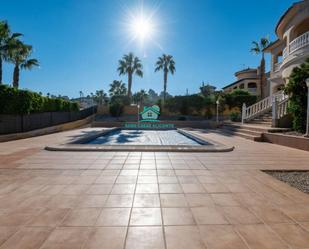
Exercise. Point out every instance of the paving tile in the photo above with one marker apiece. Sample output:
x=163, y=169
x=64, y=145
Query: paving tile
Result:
x=82, y=217
x=67, y=238
x=27, y=238
x=258, y=236
x=199, y=200
x=145, y=217
x=88, y=201
x=173, y=200
x=119, y=201
x=239, y=215
x=107, y=238
x=225, y=199
x=146, y=200
x=6, y=232
x=99, y=189
x=298, y=212
x=145, y=238
x=183, y=237
x=114, y=217
x=144, y=188
x=208, y=215
x=292, y=234
x=177, y=216
x=170, y=188
x=49, y=217
x=123, y=189
x=221, y=237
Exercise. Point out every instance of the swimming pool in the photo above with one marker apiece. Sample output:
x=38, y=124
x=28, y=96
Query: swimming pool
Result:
x=144, y=137
x=119, y=139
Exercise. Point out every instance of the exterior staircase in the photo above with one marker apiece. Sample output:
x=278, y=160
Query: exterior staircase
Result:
x=259, y=118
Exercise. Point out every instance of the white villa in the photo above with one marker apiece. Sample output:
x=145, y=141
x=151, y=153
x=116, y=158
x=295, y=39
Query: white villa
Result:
x=287, y=52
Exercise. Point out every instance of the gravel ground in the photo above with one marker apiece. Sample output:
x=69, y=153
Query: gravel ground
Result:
x=297, y=179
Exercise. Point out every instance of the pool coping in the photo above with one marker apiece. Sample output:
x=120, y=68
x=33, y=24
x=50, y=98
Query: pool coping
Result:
x=78, y=145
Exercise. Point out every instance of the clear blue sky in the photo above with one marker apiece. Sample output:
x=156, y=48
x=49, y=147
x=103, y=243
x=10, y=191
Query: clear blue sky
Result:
x=79, y=42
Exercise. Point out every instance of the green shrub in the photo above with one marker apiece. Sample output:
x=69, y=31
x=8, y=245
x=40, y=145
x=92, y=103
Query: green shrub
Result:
x=14, y=101
x=235, y=116
x=185, y=105
x=117, y=105
x=237, y=97
x=297, y=90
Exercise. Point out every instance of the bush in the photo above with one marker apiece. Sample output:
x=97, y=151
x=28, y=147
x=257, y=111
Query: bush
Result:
x=185, y=105
x=235, y=116
x=237, y=97
x=14, y=101
x=297, y=90
x=117, y=105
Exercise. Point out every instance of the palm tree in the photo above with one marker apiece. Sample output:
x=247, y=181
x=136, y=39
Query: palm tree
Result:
x=19, y=55
x=258, y=48
x=100, y=97
x=130, y=65
x=167, y=64
x=6, y=39
x=140, y=97
x=117, y=88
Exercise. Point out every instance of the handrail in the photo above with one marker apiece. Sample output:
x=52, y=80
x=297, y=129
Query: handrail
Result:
x=261, y=107
x=299, y=42
x=282, y=108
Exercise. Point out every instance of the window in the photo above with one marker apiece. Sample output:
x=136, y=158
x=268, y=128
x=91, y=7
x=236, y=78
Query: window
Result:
x=149, y=114
x=241, y=86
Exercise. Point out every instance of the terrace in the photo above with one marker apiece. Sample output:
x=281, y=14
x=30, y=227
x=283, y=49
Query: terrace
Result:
x=122, y=199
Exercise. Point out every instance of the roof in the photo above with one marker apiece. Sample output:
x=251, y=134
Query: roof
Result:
x=286, y=13
x=270, y=45
x=150, y=108
x=236, y=82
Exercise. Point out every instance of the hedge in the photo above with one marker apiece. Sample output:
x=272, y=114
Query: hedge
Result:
x=15, y=101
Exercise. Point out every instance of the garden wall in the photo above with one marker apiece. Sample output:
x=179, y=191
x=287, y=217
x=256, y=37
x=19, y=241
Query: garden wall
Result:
x=28, y=122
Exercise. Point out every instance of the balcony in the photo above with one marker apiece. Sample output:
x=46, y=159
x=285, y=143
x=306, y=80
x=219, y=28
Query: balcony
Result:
x=296, y=44
x=277, y=66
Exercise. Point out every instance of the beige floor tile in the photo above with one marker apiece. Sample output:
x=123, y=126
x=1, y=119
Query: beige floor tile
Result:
x=225, y=199
x=240, y=215
x=147, y=188
x=114, y=217
x=67, y=238
x=258, y=236
x=183, y=237
x=221, y=237
x=145, y=217
x=27, y=238
x=298, y=212
x=173, y=200
x=119, y=201
x=170, y=188
x=199, y=200
x=6, y=232
x=123, y=189
x=190, y=188
x=49, y=217
x=215, y=188
x=145, y=238
x=177, y=216
x=82, y=217
x=107, y=238
x=99, y=189
x=208, y=215
x=146, y=200
x=292, y=234
x=89, y=201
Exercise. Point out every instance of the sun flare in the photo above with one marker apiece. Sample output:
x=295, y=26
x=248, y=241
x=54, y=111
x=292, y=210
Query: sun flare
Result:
x=141, y=28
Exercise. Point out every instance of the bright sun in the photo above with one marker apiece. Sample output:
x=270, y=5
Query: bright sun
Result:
x=141, y=28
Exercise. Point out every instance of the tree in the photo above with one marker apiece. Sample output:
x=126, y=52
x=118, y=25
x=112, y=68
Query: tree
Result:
x=100, y=97
x=140, y=97
x=130, y=65
x=165, y=63
x=297, y=89
x=153, y=97
x=207, y=90
x=19, y=55
x=258, y=48
x=6, y=39
x=117, y=88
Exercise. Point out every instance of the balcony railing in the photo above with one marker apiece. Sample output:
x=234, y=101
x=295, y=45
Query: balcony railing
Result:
x=277, y=66
x=298, y=43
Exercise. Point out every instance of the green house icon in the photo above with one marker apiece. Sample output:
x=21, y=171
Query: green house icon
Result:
x=150, y=113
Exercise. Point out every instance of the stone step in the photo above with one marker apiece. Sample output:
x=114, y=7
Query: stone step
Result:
x=243, y=135
x=243, y=130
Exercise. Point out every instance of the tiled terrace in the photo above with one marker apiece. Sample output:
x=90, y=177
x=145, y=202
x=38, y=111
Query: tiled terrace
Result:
x=98, y=200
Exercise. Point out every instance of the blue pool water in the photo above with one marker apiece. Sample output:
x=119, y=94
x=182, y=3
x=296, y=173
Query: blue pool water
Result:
x=144, y=137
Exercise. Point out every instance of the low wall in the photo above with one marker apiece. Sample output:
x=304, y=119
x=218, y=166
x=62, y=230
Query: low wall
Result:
x=48, y=130
x=296, y=142
x=28, y=122
x=178, y=124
